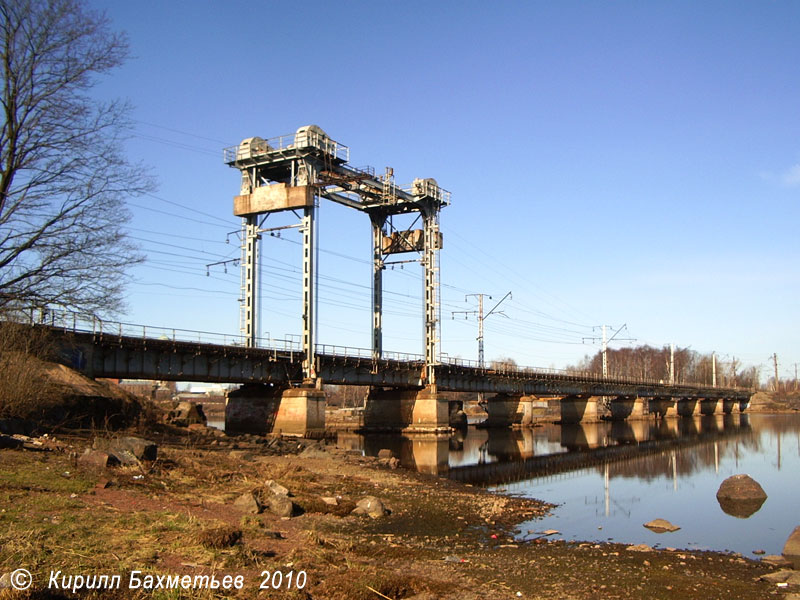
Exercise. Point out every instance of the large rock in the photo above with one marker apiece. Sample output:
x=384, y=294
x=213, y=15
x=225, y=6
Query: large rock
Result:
x=661, y=526
x=791, y=550
x=128, y=450
x=281, y=506
x=248, y=503
x=776, y=560
x=187, y=413
x=139, y=447
x=785, y=576
x=740, y=496
x=371, y=506
x=96, y=460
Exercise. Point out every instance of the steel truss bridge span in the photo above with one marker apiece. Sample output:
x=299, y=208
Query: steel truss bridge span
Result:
x=126, y=356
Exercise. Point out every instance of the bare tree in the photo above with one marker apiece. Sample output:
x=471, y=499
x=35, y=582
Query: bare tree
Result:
x=64, y=175
x=503, y=364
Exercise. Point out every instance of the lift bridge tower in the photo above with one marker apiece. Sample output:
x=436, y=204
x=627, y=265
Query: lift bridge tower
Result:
x=291, y=173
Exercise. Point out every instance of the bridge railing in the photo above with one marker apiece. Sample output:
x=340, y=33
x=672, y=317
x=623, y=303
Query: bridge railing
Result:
x=366, y=353
x=288, y=141
x=525, y=371
x=78, y=323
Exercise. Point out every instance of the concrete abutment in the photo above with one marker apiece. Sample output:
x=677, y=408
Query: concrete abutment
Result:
x=626, y=407
x=578, y=409
x=689, y=407
x=662, y=407
x=262, y=409
x=409, y=410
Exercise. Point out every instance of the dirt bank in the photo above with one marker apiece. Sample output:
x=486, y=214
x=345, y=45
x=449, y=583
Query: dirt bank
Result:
x=440, y=540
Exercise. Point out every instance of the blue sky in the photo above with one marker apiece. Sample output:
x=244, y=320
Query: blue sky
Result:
x=615, y=162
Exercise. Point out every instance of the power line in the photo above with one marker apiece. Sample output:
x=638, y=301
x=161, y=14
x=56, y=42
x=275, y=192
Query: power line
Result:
x=194, y=135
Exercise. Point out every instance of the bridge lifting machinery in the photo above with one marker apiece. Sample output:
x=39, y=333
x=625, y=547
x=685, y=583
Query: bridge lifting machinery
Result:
x=291, y=173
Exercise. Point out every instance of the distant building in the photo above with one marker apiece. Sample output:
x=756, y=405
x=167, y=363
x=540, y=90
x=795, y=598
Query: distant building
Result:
x=154, y=390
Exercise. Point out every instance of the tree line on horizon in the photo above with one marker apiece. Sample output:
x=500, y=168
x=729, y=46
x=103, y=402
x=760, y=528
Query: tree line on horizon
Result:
x=648, y=362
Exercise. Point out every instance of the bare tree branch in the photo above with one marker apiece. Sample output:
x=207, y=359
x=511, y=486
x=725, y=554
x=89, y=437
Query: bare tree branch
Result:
x=64, y=177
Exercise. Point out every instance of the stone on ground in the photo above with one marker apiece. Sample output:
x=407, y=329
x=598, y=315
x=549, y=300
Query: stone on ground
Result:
x=248, y=503
x=141, y=448
x=371, y=506
x=127, y=450
x=94, y=459
x=280, y=506
x=785, y=576
x=186, y=413
x=275, y=488
x=776, y=560
x=791, y=550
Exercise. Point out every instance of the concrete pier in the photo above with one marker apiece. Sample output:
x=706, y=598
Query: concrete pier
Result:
x=730, y=406
x=409, y=410
x=626, y=407
x=502, y=410
x=301, y=412
x=689, y=407
x=710, y=406
x=577, y=409
x=662, y=407
x=262, y=409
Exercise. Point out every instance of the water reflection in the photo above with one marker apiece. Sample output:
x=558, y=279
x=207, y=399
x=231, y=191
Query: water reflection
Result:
x=491, y=456
x=612, y=477
x=426, y=453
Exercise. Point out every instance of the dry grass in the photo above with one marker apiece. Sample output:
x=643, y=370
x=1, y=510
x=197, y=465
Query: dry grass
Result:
x=24, y=392
x=220, y=537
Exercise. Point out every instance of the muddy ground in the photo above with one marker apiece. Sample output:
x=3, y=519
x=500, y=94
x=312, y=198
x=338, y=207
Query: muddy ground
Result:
x=442, y=539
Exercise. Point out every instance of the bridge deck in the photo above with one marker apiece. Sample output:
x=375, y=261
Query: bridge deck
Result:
x=131, y=357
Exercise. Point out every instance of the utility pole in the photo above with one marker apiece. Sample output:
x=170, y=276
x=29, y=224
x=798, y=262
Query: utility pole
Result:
x=480, y=329
x=481, y=319
x=604, y=343
x=713, y=369
x=733, y=368
x=672, y=364
x=795, y=377
x=775, y=362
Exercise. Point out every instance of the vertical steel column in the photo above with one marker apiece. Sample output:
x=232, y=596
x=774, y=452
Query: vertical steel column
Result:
x=250, y=281
x=480, y=330
x=377, y=286
x=309, y=291
x=480, y=341
x=431, y=244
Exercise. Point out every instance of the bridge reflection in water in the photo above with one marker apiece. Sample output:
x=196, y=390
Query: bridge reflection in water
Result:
x=500, y=456
x=610, y=478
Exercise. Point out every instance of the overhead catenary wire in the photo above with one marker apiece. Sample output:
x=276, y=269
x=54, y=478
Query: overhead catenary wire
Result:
x=521, y=328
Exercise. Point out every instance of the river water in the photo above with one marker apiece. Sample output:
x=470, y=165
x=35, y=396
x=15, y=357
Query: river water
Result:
x=608, y=479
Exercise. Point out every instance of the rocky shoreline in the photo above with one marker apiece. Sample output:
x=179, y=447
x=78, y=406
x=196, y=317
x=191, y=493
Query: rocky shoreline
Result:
x=358, y=527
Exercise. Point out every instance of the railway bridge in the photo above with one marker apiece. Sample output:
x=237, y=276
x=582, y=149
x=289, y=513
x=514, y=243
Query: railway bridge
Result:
x=282, y=382
x=274, y=395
